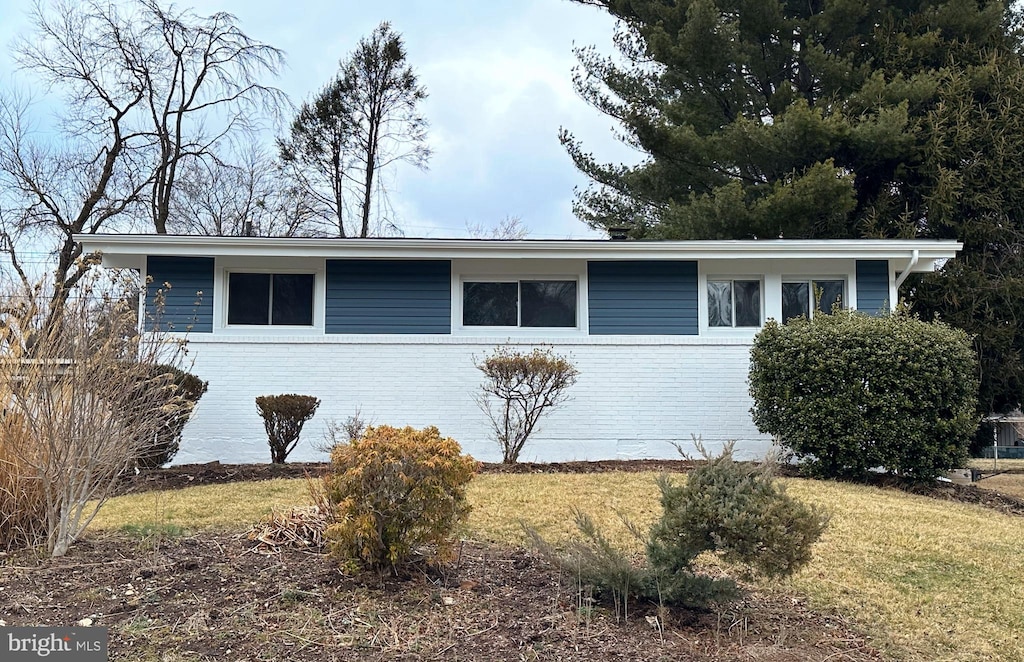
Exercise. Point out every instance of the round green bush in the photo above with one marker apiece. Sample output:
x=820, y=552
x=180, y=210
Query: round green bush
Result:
x=847, y=392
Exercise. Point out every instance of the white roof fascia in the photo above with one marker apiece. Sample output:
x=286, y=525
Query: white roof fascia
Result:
x=122, y=249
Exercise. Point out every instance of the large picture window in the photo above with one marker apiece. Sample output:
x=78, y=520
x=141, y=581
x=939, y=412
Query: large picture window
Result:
x=261, y=299
x=524, y=303
x=734, y=303
x=809, y=297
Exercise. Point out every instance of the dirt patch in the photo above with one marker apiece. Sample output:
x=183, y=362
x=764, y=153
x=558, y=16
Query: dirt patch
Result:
x=213, y=597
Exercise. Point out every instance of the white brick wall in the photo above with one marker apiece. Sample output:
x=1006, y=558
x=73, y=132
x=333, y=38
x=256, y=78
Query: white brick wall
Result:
x=634, y=396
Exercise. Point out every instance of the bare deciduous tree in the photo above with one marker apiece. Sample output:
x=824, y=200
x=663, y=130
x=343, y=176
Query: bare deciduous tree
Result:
x=510, y=227
x=146, y=91
x=247, y=195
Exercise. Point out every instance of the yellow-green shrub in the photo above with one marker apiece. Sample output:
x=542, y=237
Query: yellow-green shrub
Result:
x=395, y=494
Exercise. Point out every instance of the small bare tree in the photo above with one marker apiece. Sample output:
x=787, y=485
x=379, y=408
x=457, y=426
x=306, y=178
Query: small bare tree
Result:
x=80, y=403
x=524, y=386
x=510, y=227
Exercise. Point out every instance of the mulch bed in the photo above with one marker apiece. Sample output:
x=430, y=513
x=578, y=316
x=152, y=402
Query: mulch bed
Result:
x=214, y=597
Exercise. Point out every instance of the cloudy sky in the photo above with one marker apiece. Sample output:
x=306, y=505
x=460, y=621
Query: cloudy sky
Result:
x=499, y=77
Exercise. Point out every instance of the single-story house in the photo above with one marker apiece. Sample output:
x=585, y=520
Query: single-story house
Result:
x=660, y=331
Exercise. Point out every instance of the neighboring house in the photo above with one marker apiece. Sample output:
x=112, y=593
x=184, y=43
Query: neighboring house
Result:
x=660, y=331
x=1007, y=435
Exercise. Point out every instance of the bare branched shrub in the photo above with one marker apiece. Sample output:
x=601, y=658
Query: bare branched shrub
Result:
x=79, y=399
x=343, y=432
x=524, y=386
x=283, y=418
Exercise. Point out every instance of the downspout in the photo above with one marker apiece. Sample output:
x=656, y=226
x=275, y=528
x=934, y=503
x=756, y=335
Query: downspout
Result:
x=915, y=255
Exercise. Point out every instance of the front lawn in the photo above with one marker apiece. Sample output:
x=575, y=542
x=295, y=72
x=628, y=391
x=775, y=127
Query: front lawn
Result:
x=926, y=579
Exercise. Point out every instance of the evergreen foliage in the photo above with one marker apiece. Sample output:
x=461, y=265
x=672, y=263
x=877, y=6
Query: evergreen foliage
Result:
x=844, y=119
x=363, y=121
x=283, y=417
x=736, y=511
x=847, y=392
x=769, y=118
x=186, y=390
x=395, y=494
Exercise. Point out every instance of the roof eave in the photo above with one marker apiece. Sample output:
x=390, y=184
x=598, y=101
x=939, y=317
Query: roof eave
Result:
x=120, y=250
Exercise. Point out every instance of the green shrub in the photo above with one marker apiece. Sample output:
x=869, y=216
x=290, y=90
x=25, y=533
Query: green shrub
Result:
x=736, y=511
x=739, y=512
x=394, y=494
x=283, y=418
x=186, y=391
x=847, y=392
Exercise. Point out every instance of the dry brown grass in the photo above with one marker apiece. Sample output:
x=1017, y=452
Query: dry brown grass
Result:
x=994, y=465
x=1012, y=484
x=22, y=498
x=927, y=579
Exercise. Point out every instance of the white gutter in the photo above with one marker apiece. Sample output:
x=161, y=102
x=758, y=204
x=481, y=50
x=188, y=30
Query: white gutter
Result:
x=141, y=245
x=915, y=255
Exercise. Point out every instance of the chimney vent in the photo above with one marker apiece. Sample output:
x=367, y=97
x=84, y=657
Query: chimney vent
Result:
x=618, y=234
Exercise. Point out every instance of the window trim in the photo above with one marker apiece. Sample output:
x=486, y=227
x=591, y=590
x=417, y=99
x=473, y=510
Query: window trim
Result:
x=460, y=329
x=845, y=301
x=711, y=278
x=317, y=322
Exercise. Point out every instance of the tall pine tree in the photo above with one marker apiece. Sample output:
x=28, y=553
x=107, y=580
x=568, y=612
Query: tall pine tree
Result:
x=840, y=119
x=769, y=118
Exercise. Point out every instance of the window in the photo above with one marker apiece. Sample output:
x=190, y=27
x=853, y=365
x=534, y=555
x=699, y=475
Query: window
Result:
x=525, y=303
x=798, y=296
x=258, y=299
x=734, y=303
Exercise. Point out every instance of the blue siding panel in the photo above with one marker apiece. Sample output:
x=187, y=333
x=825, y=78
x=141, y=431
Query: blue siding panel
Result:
x=389, y=296
x=188, y=302
x=642, y=297
x=873, y=286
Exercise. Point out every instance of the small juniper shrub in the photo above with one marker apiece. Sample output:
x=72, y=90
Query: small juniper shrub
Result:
x=283, y=418
x=186, y=390
x=734, y=510
x=395, y=495
x=737, y=510
x=525, y=386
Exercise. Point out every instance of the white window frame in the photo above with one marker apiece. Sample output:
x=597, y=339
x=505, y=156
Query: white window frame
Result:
x=809, y=281
x=733, y=279
x=225, y=268
x=505, y=271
